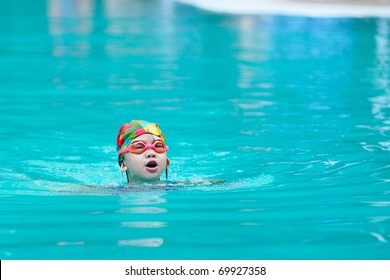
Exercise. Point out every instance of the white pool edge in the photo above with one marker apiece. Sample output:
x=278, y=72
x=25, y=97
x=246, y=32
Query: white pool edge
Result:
x=289, y=8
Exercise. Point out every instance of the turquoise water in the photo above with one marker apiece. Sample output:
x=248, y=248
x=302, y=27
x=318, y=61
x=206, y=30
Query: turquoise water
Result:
x=293, y=112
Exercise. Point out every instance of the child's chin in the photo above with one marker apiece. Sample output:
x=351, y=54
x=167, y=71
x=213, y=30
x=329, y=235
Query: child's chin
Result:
x=151, y=177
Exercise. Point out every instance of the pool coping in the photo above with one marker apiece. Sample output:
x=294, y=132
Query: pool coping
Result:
x=313, y=8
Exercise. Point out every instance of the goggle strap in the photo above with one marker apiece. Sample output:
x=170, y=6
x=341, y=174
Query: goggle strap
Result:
x=122, y=151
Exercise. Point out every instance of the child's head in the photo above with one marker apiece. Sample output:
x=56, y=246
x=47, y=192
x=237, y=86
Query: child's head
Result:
x=142, y=152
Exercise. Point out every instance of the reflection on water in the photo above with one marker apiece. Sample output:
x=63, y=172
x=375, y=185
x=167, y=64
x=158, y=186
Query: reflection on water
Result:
x=143, y=217
x=73, y=27
x=147, y=242
x=70, y=9
x=381, y=103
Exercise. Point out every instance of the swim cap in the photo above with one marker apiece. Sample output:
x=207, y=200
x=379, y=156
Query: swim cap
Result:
x=129, y=131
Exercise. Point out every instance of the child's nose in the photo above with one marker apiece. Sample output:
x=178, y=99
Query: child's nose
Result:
x=150, y=153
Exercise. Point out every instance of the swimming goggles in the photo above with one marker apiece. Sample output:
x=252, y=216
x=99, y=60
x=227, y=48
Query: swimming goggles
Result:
x=139, y=147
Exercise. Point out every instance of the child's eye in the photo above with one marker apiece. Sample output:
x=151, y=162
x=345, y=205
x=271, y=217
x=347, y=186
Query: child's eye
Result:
x=138, y=146
x=159, y=145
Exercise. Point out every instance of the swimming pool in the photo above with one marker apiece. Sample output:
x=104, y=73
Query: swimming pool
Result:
x=292, y=111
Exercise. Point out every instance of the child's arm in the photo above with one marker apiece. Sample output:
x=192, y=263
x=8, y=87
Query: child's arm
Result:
x=215, y=181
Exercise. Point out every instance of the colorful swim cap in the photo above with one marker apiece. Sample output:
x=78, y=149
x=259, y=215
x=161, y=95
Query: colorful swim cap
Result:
x=129, y=131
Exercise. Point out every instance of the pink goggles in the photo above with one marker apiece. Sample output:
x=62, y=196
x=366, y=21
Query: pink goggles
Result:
x=139, y=147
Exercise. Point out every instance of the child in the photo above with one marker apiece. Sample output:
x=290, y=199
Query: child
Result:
x=142, y=152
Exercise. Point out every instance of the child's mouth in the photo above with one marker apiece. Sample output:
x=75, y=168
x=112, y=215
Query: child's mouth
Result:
x=152, y=165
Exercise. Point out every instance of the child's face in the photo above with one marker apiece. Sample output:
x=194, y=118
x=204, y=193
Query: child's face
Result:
x=147, y=166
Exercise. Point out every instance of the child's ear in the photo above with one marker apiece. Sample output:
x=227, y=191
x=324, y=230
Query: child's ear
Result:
x=168, y=162
x=123, y=167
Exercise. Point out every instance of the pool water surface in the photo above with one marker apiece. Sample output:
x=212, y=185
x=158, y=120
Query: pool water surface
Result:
x=293, y=112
